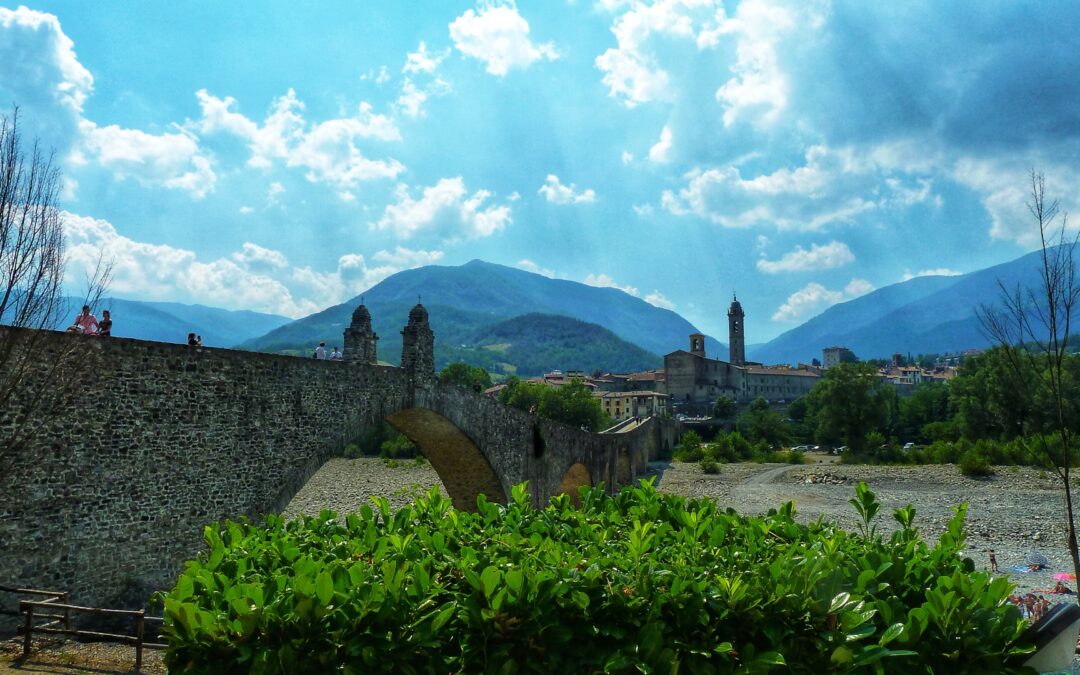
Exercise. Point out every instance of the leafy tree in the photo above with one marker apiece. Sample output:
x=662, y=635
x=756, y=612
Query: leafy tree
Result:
x=929, y=403
x=1032, y=327
x=462, y=374
x=762, y=423
x=848, y=403
x=571, y=403
x=725, y=407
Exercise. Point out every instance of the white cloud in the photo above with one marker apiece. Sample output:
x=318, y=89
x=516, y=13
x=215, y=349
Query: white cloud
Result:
x=329, y=151
x=254, y=278
x=557, y=193
x=759, y=88
x=445, y=208
x=661, y=152
x=834, y=185
x=383, y=76
x=422, y=61
x=40, y=62
x=604, y=281
x=172, y=160
x=643, y=210
x=632, y=70
x=530, y=266
x=814, y=298
x=246, y=210
x=819, y=257
x=499, y=36
x=627, y=157
x=657, y=299
x=935, y=272
x=411, y=101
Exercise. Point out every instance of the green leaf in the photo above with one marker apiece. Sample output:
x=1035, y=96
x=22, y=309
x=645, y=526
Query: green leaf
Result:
x=891, y=633
x=324, y=587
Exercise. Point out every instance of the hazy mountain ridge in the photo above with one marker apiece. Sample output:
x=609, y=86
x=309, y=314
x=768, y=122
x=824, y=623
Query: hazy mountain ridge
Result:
x=918, y=316
x=465, y=301
x=172, y=321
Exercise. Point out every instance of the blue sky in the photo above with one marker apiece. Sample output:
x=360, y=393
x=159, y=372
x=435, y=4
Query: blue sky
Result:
x=285, y=156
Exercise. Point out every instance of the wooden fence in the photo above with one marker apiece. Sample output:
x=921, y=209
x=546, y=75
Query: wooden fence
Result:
x=53, y=615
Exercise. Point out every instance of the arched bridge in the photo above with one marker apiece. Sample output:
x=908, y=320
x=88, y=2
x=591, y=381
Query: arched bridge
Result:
x=107, y=499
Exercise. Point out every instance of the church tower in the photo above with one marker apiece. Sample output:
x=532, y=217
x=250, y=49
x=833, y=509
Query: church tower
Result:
x=418, y=346
x=736, y=338
x=360, y=339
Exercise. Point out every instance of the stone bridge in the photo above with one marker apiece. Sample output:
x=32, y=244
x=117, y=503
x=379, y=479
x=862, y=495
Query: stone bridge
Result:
x=109, y=497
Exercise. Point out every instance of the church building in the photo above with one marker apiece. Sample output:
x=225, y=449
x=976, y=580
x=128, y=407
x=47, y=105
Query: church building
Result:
x=694, y=381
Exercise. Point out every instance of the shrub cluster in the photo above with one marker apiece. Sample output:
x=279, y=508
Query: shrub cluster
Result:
x=727, y=448
x=643, y=581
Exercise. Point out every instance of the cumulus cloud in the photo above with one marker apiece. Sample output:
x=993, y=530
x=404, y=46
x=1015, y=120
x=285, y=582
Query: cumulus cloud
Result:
x=627, y=157
x=530, y=266
x=834, y=185
x=330, y=151
x=819, y=257
x=935, y=272
x=814, y=298
x=42, y=73
x=423, y=61
x=657, y=299
x=254, y=278
x=446, y=209
x=604, y=281
x=499, y=36
x=171, y=160
x=557, y=193
x=661, y=152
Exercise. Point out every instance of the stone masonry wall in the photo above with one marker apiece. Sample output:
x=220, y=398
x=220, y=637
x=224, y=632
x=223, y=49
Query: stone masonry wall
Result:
x=110, y=497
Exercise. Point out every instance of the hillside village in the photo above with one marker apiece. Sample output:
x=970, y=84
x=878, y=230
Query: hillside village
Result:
x=690, y=381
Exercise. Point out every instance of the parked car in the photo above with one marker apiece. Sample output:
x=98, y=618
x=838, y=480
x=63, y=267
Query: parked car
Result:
x=909, y=446
x=801, y=448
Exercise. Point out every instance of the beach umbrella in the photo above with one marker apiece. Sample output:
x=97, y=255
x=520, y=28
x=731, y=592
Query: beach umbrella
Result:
x=1036, y=558
x=1065, y=576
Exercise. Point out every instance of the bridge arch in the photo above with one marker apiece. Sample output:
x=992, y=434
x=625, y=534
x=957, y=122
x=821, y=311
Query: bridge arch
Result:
x=575, y=478
x=462, y=467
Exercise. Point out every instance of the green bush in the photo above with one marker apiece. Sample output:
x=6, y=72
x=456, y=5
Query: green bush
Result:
x=636, y=582
x=709, y=464
x=973, y=463
x=690, y=448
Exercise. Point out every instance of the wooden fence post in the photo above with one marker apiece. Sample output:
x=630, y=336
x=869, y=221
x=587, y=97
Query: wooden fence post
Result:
x=139, y=639
x=29, y=628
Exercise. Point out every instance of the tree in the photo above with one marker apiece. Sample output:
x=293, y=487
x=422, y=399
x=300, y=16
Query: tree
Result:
x=464, y=375
x=571, y=403
x=1031, y=326
x=762, y=423
x=846, y=404
x=32, y=268
x=725, y=407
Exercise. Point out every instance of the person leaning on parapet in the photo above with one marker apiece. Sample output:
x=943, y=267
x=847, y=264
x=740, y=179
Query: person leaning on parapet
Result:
x=336, y=355
x=320, y=351
x=191, y=341
x=105, y=325
x=86, y=323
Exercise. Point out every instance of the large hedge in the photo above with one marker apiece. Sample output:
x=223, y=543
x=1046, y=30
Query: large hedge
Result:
x=638, y=582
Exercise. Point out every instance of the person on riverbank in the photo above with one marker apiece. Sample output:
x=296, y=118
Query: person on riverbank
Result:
x=993, y=561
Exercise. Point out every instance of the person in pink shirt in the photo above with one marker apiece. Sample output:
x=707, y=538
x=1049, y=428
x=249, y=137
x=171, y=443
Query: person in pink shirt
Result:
x=87, y=322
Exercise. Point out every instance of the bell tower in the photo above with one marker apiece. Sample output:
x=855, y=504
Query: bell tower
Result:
x=736, y=338
x=360, y=339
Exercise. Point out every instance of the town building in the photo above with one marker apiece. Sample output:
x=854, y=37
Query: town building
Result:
x=693, y=381
x=621, y=405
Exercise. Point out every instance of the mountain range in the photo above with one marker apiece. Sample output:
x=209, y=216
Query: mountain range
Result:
x=924, y=315
x=469, y=307
x=172, y=321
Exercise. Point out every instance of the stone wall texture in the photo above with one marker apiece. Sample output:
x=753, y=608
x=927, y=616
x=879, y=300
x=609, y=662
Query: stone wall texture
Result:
x=110, y=495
